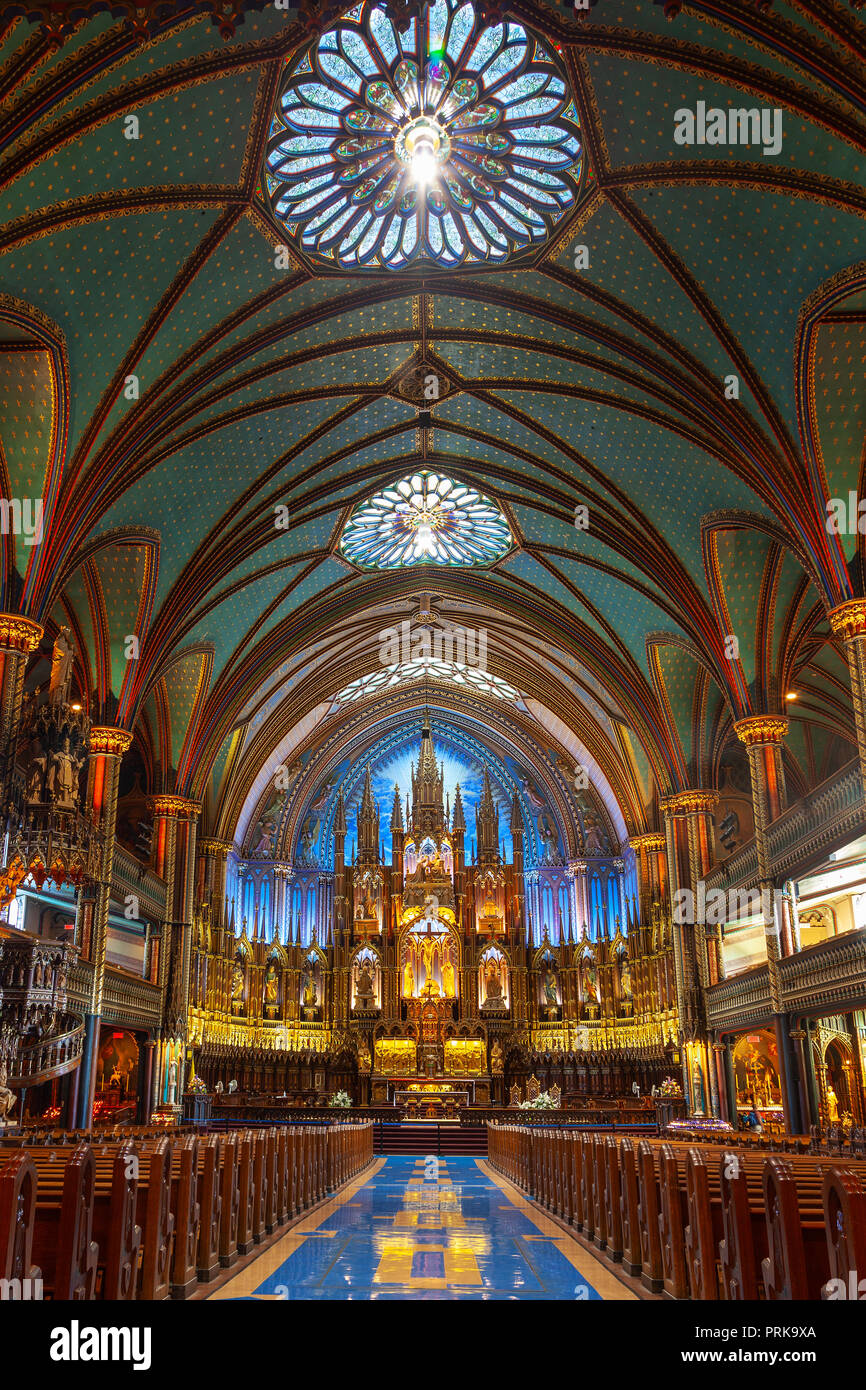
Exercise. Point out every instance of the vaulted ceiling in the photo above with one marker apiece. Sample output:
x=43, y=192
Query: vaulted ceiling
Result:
x=168, y=381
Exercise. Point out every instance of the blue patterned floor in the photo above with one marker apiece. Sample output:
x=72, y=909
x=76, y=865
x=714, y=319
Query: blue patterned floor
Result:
x=431, y=1229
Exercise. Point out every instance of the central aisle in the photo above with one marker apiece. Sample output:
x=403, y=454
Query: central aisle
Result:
x=426, y=1228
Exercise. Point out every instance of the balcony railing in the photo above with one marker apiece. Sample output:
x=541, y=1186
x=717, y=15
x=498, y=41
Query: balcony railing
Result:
x=49, y=1057
x=802, y=835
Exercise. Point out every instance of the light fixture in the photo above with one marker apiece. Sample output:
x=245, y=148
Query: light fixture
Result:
x=423, y=145
x=791, y=695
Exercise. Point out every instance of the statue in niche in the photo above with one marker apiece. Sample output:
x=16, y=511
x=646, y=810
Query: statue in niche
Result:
x=625, y=976
x=172, y=1083
x=237, y=988
x=7, y=1097
x=447, y=972
x=497, y=1061
x=365, y=987
x=493, y=992
x=408, y=980
x=589, y=982
x=37, y=772
x=62, y=660
x=271, y=988
x=548, y=984
x=310, y=995
x=62, y=778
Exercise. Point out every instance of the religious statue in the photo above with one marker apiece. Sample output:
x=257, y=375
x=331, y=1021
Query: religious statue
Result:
x=589, y=981
x=271, y=988
x=62, y=779
x=497, y=1061
x=625, y=977
x=429, y=949
x=492, y=982
x=310, y=996
x=369, y=906
x=447, y=974
x=832, y=1106
x=172, y=1083
x=62, y=659
x=408, y=980
x=365, y=989
x=237, y=996
x=37, y=772
x=549, y=987
x=7, y=1098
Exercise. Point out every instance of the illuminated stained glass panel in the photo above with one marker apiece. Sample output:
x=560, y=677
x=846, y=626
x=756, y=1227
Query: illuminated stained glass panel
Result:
x=426, y=519
x=449, y=144
x=428, y=668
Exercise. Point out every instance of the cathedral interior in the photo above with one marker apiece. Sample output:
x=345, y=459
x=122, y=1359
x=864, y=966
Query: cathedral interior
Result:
x=433, y=648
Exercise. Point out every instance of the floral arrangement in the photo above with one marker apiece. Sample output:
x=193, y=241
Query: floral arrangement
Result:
x=543, y=1101
x=196, y=1087
x=670, y=1089
x=341, y=1101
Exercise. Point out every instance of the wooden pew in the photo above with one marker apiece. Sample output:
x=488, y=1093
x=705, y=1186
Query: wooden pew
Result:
x=155, y=1216
x=210, y=1206
x=844, y=1199
x=63, y=1247
x=17, y=1218
x=230, y=1199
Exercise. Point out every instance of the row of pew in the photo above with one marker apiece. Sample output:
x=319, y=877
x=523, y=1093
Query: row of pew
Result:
x=153, y=1215
x=696, y=1221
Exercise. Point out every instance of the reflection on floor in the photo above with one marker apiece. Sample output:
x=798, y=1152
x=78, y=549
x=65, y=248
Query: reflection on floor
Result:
x=426, y=1228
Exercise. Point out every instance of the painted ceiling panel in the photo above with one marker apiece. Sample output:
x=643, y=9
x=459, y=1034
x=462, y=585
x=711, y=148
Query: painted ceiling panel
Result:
x=122, y=267
x=721, y=235
x=840, y=407
x=28, y=405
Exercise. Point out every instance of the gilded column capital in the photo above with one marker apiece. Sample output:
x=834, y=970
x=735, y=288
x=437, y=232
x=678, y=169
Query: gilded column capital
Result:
x=19, y=634
x=849, y=618
x=174, y=807
x=761, y=728
x=689, y=803
x=109, y=740
x=211, y=846
x=651, y=840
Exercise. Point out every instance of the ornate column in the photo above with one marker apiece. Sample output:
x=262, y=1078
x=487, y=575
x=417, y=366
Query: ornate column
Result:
x=762, y=736
x=848, y=621
x=215, y=854
x=107, y=747
x=174, y=841
x=19, y=638
x=282, y=899
x=576, y=872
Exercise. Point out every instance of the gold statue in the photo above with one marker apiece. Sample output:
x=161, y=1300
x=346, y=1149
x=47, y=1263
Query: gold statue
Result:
x=408, y=980
x=429, y=949
x=832, y=1106
x=311, y=998
x=447, y=975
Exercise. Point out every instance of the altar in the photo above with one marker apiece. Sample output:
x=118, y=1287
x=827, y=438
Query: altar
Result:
x=431, y=1101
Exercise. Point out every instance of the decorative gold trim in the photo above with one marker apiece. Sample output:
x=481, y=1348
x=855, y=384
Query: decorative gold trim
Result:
x=649, y=841
x=761, y=728
x=690, y=803
x=213, y=846
x=109, y=740
x=849, y=619
x=176, y=807
x=19, y=634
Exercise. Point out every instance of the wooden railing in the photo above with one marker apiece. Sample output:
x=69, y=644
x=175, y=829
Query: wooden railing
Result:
x=50, y=1057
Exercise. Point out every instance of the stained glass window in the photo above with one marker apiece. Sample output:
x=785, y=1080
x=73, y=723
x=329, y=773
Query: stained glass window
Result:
x=428, y=668
x=449, y=144
x=426, y=519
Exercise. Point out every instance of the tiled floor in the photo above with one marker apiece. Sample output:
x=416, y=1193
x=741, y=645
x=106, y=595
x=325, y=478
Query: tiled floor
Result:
x=426, y=1228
